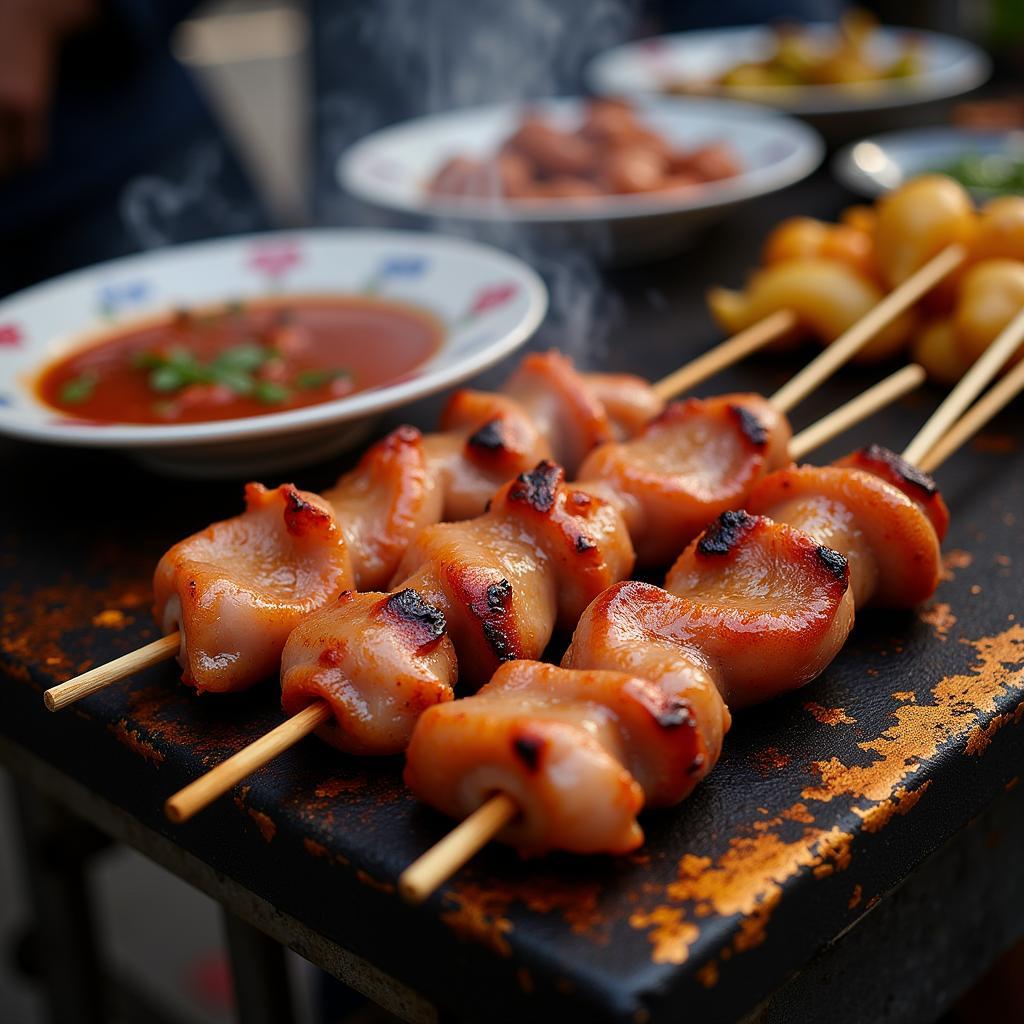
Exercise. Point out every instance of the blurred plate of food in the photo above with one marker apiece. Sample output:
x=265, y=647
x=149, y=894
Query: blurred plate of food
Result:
x=987, y=164
x=258, y=352
x=804, y=69
x=631, y=180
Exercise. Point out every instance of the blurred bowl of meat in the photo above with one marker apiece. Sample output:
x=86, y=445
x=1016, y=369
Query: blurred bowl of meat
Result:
x=631, y=182
x=846, y=79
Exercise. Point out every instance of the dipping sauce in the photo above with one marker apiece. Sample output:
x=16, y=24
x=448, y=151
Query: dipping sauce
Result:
x=242, y=359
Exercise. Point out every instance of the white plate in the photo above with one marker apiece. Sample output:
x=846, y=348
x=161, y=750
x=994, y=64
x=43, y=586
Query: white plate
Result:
x=950, y=66
x=490, y=302
x=391, y=169
x=882, y=162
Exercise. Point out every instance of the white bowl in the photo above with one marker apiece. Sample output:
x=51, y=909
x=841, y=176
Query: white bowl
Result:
x=882, y=162
x=950, y=67
x=391, y=169
x=491, y=303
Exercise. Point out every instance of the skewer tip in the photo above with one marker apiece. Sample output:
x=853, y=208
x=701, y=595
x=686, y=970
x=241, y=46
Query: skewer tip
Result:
x=173, y=813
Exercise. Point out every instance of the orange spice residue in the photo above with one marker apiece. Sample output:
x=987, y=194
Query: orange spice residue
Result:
x=479, y=915
x=266, y=825
x=905, y=696
x=939, y=617
x=798, y=812
x=134, y=741
x=670, y=933
x=708, y=974
x=979, y=738
x=331, y=788
x=921, y=729
x=110, y=618
x=747, y=880
x=955, y=558
x=770, y=760
x=856, y=897
x=829, y=716
x=317, y=849
x=901, y=802
x=367, y=879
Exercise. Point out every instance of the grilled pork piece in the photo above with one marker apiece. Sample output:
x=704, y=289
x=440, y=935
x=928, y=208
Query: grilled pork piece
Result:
x=378, y=660
x=383, y=502
x=239, y=587
x=882, y=517
x=695, y=461
x=581, y=752
x=486, y=439
x=499, y=583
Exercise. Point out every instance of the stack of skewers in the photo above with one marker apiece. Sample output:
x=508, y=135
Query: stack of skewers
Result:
x=486, y=549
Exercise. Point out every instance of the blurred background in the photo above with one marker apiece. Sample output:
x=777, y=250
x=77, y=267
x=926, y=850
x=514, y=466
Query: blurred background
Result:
x=128, y=126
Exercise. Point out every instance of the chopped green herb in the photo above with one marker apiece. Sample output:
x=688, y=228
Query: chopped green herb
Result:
x=307, y=380
x=167, y=378
x=79, y=389
x=233, y=369
x=270, y=393
x=246, y=358
x=238, y=381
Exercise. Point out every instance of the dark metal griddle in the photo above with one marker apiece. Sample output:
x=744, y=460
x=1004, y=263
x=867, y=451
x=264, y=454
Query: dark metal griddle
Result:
x=823, y=802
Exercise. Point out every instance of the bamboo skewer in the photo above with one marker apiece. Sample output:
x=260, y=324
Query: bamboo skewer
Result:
x=63, y=694
x=866, y=404
x=726, y=353
x=970, y=386
x=992, y=402
x=851, y=341
x=468, y=838
x=207, y=788
x=432, y=869
x=197, y=795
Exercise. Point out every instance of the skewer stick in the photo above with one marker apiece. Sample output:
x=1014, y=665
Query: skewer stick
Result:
x=866, y=404
x=856, y=337
x=971, y=384
x=468, y=838
x=730, y=351
x=207, y=788
x=60, y=696
x=1001, y=394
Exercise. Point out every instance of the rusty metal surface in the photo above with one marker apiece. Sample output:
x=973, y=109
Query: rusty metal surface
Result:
x=822, y=802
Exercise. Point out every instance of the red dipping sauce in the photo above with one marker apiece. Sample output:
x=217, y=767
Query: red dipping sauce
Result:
x=263, y=356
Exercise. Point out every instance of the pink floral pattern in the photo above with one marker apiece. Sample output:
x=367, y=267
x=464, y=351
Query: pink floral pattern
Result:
x=491, y=297
x=274, y=259
x=11, y=335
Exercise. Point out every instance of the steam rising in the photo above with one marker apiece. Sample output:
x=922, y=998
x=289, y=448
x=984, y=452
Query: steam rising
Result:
x=427, y=56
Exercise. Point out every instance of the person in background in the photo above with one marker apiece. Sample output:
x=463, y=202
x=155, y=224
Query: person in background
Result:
x=106, y=144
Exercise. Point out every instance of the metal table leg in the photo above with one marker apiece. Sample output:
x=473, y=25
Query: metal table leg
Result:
x=56, y=848
x=262, y=990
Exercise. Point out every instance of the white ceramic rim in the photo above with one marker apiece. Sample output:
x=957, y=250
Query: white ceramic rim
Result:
x=808, y=153
x=848, y=172
x=341, y=410
x=971, y=67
